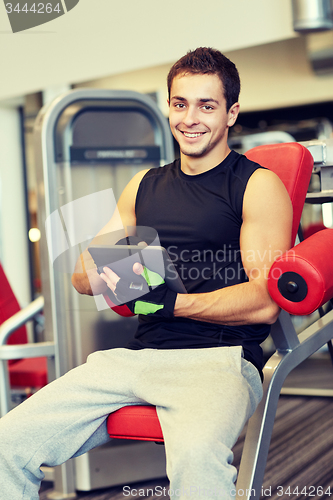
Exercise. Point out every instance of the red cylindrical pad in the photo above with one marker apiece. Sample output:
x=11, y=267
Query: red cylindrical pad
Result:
x=311, y=260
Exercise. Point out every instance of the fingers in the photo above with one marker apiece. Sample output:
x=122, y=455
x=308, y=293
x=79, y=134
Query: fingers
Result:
x=110, y=278
x=138, y=268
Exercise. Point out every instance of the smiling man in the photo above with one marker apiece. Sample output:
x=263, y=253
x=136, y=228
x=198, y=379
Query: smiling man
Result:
x=195, y=356
x=199, y=120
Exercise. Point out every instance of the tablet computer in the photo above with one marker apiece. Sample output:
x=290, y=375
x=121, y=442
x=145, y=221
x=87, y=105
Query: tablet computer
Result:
x=121, y=258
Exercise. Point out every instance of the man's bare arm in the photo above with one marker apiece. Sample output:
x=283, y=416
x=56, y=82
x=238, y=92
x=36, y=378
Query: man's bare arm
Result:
x=85, y=278
x=265, y=235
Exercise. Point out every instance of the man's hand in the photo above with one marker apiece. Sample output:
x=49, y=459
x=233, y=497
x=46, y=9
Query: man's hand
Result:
x=151, y=294
x=85, y=278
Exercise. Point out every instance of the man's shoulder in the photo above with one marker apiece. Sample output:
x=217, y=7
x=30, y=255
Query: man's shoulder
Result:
x=241, y=168
x=264, y=177
x=241, y=160
x=160, y=171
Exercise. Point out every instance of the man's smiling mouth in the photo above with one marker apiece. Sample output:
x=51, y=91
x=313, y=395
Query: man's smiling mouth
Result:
x=193, y=134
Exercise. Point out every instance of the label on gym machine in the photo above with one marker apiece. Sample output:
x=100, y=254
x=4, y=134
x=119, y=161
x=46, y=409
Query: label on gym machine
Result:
x=130, y=154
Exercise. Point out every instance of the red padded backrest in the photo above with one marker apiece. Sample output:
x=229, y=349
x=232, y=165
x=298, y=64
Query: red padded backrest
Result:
x=8, y=307
x=293, y=163
x=31, y=372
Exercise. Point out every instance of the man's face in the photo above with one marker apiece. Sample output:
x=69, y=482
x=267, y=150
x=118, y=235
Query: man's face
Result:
x=198, y=117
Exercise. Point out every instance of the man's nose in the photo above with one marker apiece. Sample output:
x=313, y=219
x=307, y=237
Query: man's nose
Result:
x=191, y=117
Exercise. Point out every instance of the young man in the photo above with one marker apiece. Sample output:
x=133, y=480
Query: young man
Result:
x=197, y=356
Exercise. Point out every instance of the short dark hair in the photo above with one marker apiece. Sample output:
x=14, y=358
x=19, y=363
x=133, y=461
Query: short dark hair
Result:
x=205, y=60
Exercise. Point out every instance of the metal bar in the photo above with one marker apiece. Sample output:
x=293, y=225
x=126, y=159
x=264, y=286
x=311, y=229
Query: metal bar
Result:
x=283, y=333
x=18, y=351
x=307, y=391
x=330, y=349
x=20, y=318
x=258, y=436
x=5, y=400
x=64, y=482
x=318, y=328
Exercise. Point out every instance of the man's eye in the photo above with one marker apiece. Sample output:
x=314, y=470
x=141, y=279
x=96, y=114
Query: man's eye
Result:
x=207, y=107
x=179, y=105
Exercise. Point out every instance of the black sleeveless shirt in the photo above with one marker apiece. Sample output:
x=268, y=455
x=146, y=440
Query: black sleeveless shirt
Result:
x=198, y=219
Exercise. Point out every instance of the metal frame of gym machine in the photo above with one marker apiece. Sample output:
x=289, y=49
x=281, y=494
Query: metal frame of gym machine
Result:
x=53, y=141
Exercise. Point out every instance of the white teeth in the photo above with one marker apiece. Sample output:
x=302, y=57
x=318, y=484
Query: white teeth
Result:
x=192, y=135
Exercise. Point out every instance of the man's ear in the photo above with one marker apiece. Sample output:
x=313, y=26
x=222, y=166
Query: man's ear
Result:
x=233, y=114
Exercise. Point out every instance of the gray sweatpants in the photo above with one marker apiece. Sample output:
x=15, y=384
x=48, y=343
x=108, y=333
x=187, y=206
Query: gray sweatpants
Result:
x=203, y=399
